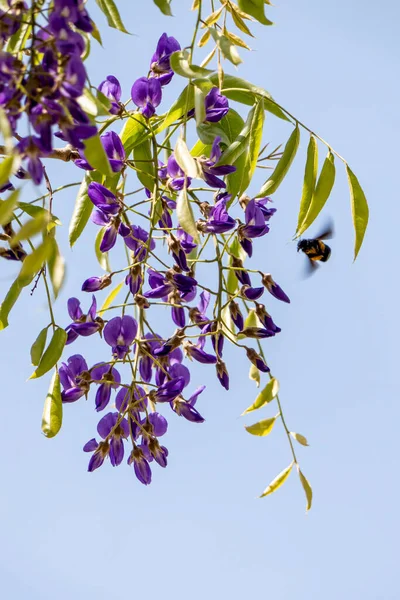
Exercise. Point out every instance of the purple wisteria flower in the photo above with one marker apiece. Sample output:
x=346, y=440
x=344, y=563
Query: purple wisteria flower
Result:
x=255, y=226
x=211, y=173
x=141, y=466
x=274, y=288
x=111, y=88
x=147, y=95
x=216, y=105
x=199, y=354
x=222, y=374
x=236, y=315
x=103, y=198
x=119, y=333
x=94, y=284
x=83, y=325
x=186, y=410
x=160, y=65
x=74, y=378
x=31, y=148
x=257, y=360
x=176, y=177
x=172, y=287
x=110, y=379
x=134, y=279
x=187, y=241
x=137, y=240
x=262, y=204
x=252, y=293
x=114, y=430
x=219, y=220
x=113, y=148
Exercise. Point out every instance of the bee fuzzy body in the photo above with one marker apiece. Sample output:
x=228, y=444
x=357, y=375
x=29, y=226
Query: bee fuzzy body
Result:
x=315, y=250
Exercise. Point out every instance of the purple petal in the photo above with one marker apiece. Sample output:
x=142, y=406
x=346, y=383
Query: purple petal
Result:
x=106, y=424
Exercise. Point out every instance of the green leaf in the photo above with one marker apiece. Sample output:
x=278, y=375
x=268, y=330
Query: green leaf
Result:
x=207, y=133
x=283, y=165
x=35, y=211
x=6, y=131
x=38, y=347
x=7, y=207
x=307, y=489
x=8, y=302
x=102, y=257
x=34, y=262
x=111, y=297
x=231, y=282
x=239, y=144
x=143, y=158
x=265, y=396
x=185, y=160
x=164, y=6
x=31, y=228
x=310, y=178
x=180, y=64
x=56, y=266
x=17, y=41
x=251, y=320
x=228, y=50
x=278, y=481
x=199, y=105
x=178, y=109
x=213, y=18
x=112, y=14
x=94, y=106
x=262, y=428
x=322, y=191
x=255, y=8
x=299, y=438
x=253, y=147
x=254, y=375
x=82, y=211
x=359, y=209
x=134, y=132
x=235, y=249
x=245, y=92
x=52, y=411
x=52, y=353
x=6, y=169
x=96, y=155
x=185, y=216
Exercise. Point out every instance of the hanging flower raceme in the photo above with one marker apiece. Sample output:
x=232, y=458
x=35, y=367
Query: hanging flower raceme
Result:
x=119, y=333
x=114, y=431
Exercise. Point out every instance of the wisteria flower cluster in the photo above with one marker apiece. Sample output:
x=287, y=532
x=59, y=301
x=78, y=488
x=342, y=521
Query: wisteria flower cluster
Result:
x=188, y=232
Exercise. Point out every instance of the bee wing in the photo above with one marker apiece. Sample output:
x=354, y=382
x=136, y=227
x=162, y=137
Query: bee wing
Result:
x=311, y=267
x=328, y=232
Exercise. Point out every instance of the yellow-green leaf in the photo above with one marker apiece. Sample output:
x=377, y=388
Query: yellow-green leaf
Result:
x=180, y=64
x=254, y=375
x=183, y=103
x=322, y=192
x=213, y=18
x=6, y=168
x=310, y=178
x=265, y=396
x=283, y=165
x=7, y=207
x=231, y=282
x=359, y=209
x=251, y=320
x=96, y=155
x=255, y=8
x=204, y=38
x=52, y=353
x=164, y=6
x=199, y=105
x=102, y=257
x=185, y=215
x=299, y=438
x=52, y=411
x=143, y=158
x=38, y=347
x=34, y=262
x=56, y=265
x=31, y=228
x=228, y=49
x=184, y=159
x=111, y=12
x=278, y=481
x=262, y=428
x=134, y=132
x=81, y=213
x=8, y=302
x=110, y=298
x=307, y=489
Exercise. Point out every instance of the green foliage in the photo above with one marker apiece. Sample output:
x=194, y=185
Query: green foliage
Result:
x=278, y=481
x=96, y=155
x=52, y=410
x=143, y=158
x=82, y=211
x=185, y=216
x=38, y=347
x=306, y=487
x=164, y=6
x=283, y=165
x=322, y=192
x=52, y=354
x=262, y=428
x=111, y=12
x=255, y=8
x=265, y=396
x=7, y=207
x=310, y=178
x=359, y=209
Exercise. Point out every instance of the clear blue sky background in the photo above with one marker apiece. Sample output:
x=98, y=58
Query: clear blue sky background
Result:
x=198, y=530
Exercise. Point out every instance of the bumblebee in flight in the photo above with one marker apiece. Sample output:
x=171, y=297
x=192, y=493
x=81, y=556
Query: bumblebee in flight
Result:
x=315, y=249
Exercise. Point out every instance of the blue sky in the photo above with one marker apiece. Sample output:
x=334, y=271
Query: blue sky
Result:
x=198, y=530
